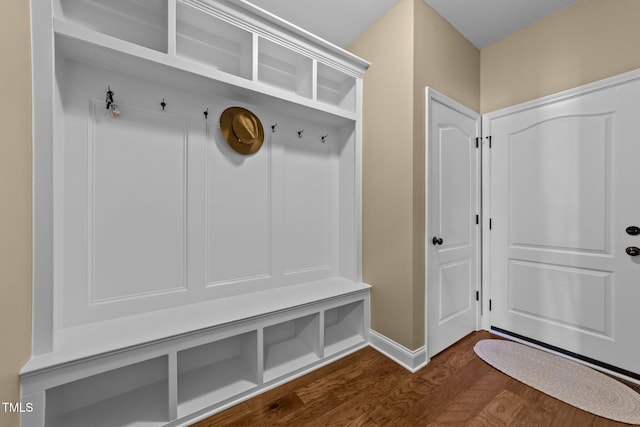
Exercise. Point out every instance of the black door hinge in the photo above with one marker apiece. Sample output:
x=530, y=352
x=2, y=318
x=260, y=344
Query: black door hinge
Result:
x=489, y=305
x=490, y=223
x=489, y=138
x=477, y=295
x=477, y=219
x=478, y=141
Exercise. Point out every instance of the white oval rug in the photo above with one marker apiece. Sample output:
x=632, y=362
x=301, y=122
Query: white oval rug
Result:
x=564, y=379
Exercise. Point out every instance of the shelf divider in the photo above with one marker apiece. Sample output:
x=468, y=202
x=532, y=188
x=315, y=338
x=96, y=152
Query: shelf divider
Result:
x=172, y=18
x=173, y=386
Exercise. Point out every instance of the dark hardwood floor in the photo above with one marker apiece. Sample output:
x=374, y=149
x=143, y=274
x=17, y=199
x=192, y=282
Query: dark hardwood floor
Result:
x=367, y=389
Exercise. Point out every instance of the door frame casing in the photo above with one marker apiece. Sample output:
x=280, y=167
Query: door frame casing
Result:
x=431, y=96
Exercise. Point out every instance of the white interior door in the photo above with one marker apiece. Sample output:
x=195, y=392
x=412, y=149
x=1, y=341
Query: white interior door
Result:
x=452, y=231
x=563, y=191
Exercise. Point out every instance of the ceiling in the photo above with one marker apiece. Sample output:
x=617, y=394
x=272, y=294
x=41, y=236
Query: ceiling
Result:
x=337, y=21
x=482, y=22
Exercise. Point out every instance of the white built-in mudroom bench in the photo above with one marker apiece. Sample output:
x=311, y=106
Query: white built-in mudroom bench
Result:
x=174, y=275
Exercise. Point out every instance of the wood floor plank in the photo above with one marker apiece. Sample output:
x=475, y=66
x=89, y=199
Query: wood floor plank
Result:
x=232, y=416
x=348, y=416
x=540, y=410
x=461, y=380
x=372, y=373
x=269, y=414
x=467, y=404
x=311, y=411
x=500, y=411
x=362, y=421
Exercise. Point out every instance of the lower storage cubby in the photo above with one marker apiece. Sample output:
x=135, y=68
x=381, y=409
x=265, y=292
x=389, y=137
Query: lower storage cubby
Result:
x=214, y=372
x=343, y=327
x=135, y=395
x=291, y=345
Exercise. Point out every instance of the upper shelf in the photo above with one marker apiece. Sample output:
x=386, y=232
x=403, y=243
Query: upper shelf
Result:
x=141, y=22
x=232, y=43
x=203, y=38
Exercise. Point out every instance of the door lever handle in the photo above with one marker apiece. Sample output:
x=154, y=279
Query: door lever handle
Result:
x=437, y=241
x=633, y=251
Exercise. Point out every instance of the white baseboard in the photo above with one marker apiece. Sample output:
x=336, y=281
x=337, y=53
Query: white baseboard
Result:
x=412, y=360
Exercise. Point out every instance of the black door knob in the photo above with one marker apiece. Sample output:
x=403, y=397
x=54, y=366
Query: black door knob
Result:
x=436, y=241
x=633, y=251
x=633, y=230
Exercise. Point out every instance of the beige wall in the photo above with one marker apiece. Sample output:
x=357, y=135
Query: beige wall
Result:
x=387, y=170
x=587, y=41
x=15, y=200
x=410, y=47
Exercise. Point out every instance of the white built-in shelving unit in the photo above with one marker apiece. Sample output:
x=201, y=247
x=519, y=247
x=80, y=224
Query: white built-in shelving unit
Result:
x=174, y=277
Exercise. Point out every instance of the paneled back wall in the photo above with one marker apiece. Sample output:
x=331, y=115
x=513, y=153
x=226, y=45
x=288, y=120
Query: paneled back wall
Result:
x=154, y=210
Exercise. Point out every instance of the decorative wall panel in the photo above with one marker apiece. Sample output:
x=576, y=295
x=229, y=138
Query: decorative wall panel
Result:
x=238, y=206
x=136, y=228
x=308, y=205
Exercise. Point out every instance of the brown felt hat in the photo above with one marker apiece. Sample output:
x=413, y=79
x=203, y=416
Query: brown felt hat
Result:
x=242, y=130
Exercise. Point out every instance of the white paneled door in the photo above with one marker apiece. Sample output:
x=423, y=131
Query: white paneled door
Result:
x=453, y=166
x=563, y=191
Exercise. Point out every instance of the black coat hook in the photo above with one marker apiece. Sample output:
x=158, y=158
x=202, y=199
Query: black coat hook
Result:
x=206, y=114
x=273, y=127
x=109, y=99
x=164, y=104
x=300, y=133
x=324, y=138
x=111, y=105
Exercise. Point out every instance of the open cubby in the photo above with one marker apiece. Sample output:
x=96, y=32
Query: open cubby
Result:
x=203, y=38
x=134, y=395
x=336, y=88
x=142, y=22
x=216, y=371
x=291, y=345
x=343, y=327
x=284, y=68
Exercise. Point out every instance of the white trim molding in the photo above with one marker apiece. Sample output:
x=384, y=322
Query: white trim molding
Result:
x=411, y=360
